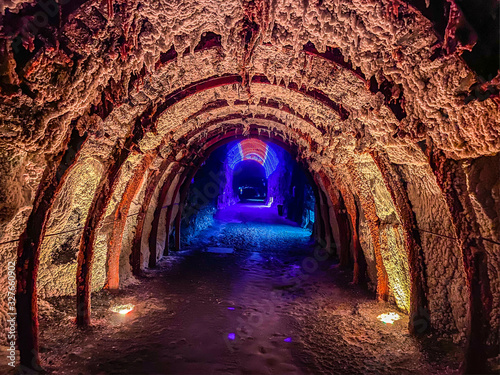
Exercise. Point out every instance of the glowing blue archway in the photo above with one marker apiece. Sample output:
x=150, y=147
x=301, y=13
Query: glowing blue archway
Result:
x=254, y=149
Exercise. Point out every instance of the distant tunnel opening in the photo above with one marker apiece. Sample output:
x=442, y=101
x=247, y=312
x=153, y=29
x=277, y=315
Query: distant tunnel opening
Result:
x=248, y=181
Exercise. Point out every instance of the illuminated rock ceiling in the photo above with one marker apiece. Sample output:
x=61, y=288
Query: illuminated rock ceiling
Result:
x=108, y=108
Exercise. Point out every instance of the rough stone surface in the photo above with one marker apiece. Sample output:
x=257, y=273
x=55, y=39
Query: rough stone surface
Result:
x=333, y=80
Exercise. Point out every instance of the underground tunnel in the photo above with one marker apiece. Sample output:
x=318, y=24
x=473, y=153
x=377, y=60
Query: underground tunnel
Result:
x=249, y=187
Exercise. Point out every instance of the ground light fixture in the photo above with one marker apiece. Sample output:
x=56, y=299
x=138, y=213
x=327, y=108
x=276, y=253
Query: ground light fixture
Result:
x=122, y=309
x=388, y=318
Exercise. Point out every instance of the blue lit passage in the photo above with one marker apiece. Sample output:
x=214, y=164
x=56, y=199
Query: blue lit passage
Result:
x=254, y=149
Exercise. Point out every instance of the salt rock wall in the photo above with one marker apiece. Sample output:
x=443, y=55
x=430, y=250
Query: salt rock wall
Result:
x=102, y=244
x=279, y=182
x=444, y=270
x=8, y=255
x=169, y=178
x=21, y=175
x=299, y=198
x=483, y=182
x=129, y=234
x=204, y=194
x=58, y=256
x=173, y=201
x=391, y=238
x=15, y=195
x=228, y=196
x=384, y=227
x=366, y=242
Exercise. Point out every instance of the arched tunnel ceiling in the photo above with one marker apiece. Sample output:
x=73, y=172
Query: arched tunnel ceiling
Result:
x=356, y=90
x=375, y=61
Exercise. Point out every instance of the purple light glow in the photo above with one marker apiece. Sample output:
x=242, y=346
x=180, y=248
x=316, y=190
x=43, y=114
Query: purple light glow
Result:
x=231, y=336
x=230, y=308
x=288, y=339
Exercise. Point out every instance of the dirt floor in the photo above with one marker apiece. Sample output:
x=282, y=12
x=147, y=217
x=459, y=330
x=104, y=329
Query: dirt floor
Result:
x=274, y=305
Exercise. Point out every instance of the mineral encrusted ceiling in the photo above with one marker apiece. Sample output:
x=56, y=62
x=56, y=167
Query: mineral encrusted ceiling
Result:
x=107, y=54
x=392, y=107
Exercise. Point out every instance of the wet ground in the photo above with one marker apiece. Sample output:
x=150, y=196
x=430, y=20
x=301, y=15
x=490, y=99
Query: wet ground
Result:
x=274, y=305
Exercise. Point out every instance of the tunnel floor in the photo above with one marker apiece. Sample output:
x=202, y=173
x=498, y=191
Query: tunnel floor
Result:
x=245, y=312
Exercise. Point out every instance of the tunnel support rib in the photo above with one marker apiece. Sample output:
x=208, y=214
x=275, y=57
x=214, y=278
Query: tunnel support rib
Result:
x=94, y=217
x=359, y=274
x=325, y=220
x=396, y=187
x=184, y=190
x=153, y=236
x=170, y=210
x=178, y=229
x=452, y=181
x=29, y=250
x=121, y=214
x=345, y=232
x=377, y=235
x=141, y=217
x=333, y=198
